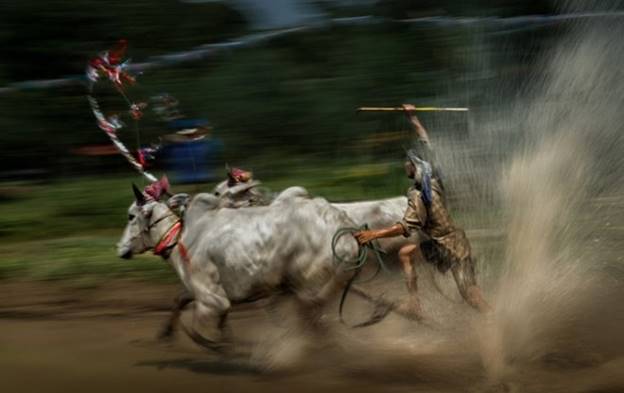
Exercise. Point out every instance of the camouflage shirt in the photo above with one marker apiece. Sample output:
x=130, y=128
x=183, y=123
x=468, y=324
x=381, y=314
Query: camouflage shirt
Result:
x=435, y=221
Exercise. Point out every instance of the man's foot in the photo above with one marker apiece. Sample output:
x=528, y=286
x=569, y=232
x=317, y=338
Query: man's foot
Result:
x=411, y=309
x=476, y=300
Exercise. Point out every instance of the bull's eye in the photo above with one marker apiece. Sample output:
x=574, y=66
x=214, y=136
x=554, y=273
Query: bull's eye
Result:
x=130, y=217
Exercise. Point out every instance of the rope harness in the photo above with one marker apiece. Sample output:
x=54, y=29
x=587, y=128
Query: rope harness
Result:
x=356, y=264
x=171, y=239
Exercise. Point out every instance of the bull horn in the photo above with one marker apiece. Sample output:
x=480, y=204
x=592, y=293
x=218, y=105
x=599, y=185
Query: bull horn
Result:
x=140, y=198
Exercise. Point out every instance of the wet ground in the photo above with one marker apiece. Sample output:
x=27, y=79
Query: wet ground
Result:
x=55, y=338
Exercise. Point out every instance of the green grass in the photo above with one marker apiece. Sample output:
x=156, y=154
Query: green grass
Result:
x=76, y=256
x=68, y=229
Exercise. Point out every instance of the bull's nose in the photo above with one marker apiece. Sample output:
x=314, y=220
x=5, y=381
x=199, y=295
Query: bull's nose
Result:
x=126, y=255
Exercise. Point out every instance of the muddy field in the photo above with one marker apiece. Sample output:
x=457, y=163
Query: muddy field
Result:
x=56, y=338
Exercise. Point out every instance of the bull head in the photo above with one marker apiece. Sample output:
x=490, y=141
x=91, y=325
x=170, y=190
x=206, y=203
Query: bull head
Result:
x=137, y=237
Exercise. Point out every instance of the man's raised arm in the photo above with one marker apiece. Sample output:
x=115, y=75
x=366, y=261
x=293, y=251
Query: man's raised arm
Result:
x=410, y=112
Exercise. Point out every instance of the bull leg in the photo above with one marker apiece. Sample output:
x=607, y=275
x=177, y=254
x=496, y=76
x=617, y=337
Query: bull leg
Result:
x=208, y=326
x=407, y=255
x=310, y=308
x=464, y=275
x=309, y=314
x=170, y=326
x=211, y=309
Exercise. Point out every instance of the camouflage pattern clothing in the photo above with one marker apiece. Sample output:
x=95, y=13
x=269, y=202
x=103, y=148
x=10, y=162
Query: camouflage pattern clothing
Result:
x=447, y=245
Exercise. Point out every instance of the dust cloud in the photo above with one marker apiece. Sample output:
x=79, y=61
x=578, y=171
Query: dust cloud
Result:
x=547, y=182
x=558, y=293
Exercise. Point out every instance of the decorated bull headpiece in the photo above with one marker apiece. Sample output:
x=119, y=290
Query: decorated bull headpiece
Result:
x=422, y=174
x=109, y=65
x=152, y=192
x=237, y=176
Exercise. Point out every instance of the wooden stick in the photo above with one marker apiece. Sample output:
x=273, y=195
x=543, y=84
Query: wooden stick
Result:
x=418, y=109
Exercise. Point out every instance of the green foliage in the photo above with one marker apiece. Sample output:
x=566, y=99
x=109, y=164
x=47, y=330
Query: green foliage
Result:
x=286, y=109
x=293, y=96
x=296, y=95
x=73, y=257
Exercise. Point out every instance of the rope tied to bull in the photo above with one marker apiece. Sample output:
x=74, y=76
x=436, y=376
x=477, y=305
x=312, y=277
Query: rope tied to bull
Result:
x=356, y=264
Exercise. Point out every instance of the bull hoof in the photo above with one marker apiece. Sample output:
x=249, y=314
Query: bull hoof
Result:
x=221, y=347
x=167, y=333
x=381, y=311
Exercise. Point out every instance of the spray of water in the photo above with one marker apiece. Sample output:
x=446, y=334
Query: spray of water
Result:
x=546, y=171
x=557, y=193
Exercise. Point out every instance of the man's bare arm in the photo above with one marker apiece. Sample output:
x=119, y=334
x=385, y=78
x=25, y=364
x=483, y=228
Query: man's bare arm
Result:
x=364, y=237
x=410, y=112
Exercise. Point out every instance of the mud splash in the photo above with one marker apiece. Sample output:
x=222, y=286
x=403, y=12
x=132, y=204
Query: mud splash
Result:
x=557, y=284
x=560, y=256
x=545, y=177
x=551, y=183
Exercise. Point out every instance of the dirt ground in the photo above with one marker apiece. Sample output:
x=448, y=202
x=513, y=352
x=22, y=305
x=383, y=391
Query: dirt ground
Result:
x=56, y=338
x=59, y=338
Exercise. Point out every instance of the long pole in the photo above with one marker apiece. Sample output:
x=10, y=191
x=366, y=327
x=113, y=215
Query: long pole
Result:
x=417, y=109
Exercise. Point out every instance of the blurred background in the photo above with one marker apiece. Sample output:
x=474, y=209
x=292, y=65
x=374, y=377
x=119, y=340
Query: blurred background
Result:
x=533, y=172
x=276, y=84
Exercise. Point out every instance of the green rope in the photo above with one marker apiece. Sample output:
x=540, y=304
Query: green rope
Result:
x=356, y=264
x=360, y=260
x=349, y=264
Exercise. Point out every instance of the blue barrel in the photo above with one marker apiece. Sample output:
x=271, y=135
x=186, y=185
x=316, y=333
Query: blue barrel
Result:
x=195, y=160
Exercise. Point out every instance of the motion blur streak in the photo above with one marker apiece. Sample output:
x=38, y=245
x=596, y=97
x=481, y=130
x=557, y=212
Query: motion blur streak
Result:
x=556, y=299
x=558, y=282
x=537, y=183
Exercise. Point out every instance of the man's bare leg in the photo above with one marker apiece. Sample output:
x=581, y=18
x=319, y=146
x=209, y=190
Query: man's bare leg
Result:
x=407, y=254
x=464, y=275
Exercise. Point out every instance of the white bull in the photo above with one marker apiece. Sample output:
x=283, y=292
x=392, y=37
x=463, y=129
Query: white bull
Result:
x=229, y=256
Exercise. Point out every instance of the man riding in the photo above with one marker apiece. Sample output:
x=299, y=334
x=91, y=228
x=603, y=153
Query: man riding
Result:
x=446, y=245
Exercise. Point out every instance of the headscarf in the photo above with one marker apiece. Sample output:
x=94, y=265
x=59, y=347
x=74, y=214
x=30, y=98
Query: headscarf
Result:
x=426, y=170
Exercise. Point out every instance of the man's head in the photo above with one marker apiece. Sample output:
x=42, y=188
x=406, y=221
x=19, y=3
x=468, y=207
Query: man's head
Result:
x=410, y=169
x=415, y=166
x=420, y=171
